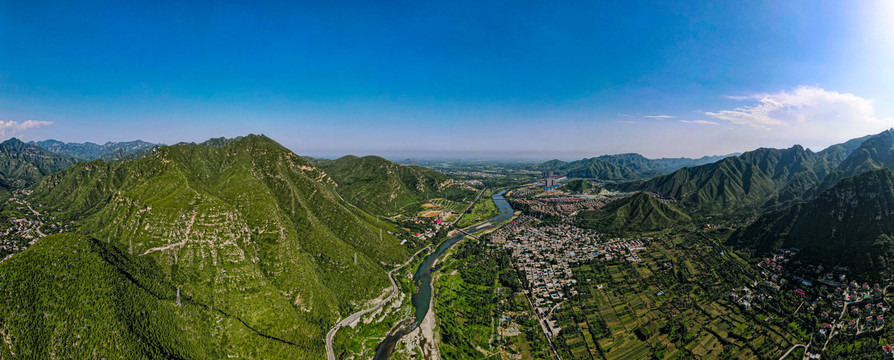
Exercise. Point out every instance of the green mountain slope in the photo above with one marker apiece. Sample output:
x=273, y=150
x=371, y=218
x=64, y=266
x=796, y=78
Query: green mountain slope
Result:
x=848, y=225
x=640, y=212
x=592, y=168
x=577, y=186
x=22, y=165
x=110, y=151
x=245, y=227
x=759, y=179
x=379, y=186
x=874, y=153
x=70, y=296
x=621, y=167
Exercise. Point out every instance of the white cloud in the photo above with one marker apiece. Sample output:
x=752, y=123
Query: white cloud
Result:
x=627, y=122
x=659, y=117
x=805, y=115
x=625, y=115
x=700, y=122
x=803, y=106
x=14, y=127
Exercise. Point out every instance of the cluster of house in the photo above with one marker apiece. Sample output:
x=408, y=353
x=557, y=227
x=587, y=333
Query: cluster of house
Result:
x=857, y=307
x=427, y=234
x=525, y=192
x=545, y=254
x=25, y=228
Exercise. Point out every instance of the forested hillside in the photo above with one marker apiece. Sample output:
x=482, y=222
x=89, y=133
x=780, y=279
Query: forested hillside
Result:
x=756, y=180
x=247, y=229
x=379, y=186
x=640, y=212
x=622, y=167
x=849, y=225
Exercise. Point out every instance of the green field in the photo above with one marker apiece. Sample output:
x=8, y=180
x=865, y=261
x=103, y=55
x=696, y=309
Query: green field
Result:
x=475, y=288
x=691, y=318
x=484, y=209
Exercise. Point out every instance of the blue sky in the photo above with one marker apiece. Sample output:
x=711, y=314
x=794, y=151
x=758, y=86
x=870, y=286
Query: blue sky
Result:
x=452, y=78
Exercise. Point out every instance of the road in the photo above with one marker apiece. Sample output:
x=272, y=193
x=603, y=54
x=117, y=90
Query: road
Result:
x=792, y=349
x=468, y=208
x=353, y=317
x=37, y=221
x=540, y=321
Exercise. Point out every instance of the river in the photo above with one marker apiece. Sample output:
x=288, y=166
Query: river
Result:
x=422, y=298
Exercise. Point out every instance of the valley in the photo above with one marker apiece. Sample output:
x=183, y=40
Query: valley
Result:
x=447, y=180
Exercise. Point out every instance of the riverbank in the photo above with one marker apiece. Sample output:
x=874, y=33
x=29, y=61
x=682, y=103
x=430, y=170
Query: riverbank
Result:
x=352, y=320
x=424, y=341
x=423, y=277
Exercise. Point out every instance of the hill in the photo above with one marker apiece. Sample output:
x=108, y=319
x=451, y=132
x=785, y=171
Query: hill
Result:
x=379, y=186
x=246, y=228
x=849, y=224
x=22, y=165
x=592, y=168
x=578, y=186
x=110, y=151
x=640, y=212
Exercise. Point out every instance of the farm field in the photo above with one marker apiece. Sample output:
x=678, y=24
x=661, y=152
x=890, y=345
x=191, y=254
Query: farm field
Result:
x=673, y=304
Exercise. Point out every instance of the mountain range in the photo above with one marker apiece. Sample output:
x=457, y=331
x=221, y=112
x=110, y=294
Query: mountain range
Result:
x=22, y=165
x=621, y=167
x=251, y=251
x=848, y=224
x=753, y=181
x=253, y=240
x=110, y=151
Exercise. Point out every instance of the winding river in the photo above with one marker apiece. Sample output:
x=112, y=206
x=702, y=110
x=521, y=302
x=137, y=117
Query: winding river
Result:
x=422, y=298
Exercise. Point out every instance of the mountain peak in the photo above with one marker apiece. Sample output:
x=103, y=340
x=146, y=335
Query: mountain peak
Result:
x=14, y=141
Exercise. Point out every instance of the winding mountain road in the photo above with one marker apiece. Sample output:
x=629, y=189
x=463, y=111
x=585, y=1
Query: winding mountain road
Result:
x=353, y=317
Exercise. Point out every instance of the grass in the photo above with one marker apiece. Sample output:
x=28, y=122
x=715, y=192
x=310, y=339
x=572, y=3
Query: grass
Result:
x=483, y=210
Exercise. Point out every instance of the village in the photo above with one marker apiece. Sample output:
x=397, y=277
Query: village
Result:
x=23, y=225
x=829, y=303
x=546, y=255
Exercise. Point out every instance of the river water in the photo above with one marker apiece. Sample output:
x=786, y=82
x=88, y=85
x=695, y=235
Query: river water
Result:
x=422, y=299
